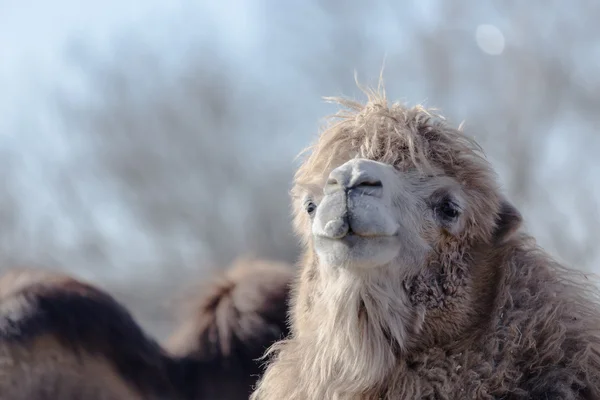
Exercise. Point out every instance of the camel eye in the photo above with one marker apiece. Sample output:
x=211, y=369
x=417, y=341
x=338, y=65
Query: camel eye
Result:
x=447, y=210
x=310, y=207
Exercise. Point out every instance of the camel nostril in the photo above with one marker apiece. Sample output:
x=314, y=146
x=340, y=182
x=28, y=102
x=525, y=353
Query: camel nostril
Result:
x=366, y=185
x=348, y=178
x=370, y=183
x=332, y=182
x=337, y=228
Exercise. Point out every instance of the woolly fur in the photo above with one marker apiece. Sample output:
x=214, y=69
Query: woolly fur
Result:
x=490, y=315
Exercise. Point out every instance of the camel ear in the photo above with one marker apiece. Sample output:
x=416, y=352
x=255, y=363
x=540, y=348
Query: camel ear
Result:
x=508, y=221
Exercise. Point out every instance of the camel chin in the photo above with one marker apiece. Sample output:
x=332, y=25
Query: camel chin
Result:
x=357, y=252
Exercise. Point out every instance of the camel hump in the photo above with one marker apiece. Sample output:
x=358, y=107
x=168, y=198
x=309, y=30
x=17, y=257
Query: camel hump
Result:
x=238, y=313
x=63, y=335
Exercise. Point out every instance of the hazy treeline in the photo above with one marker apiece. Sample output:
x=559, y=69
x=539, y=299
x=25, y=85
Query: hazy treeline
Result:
x=177, y=164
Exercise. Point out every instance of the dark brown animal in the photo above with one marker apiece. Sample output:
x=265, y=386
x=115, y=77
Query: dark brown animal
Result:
x=61, y=338
x=417, y=281
x=64, y=339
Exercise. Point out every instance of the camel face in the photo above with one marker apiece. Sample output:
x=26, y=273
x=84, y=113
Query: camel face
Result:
x=356, y=223
x=394, y=187
x=372, y=214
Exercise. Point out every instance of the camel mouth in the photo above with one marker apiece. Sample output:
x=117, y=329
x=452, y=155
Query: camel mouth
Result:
x=353, y=236
x=370, y=235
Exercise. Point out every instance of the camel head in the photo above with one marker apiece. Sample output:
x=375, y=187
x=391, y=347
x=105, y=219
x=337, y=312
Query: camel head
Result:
x=394, y=189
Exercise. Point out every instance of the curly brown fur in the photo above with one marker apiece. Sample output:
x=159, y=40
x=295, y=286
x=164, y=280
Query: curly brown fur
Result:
x=487, y=315
x=230, y=322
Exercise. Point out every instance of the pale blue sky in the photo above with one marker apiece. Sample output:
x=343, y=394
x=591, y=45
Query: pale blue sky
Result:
x=35, y=37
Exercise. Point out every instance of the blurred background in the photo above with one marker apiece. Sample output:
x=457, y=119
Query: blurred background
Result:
x=147, y=143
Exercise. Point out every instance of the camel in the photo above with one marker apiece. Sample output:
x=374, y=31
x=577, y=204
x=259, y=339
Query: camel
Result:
x=63, y=338
x=237, y=316
x=417, y=278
